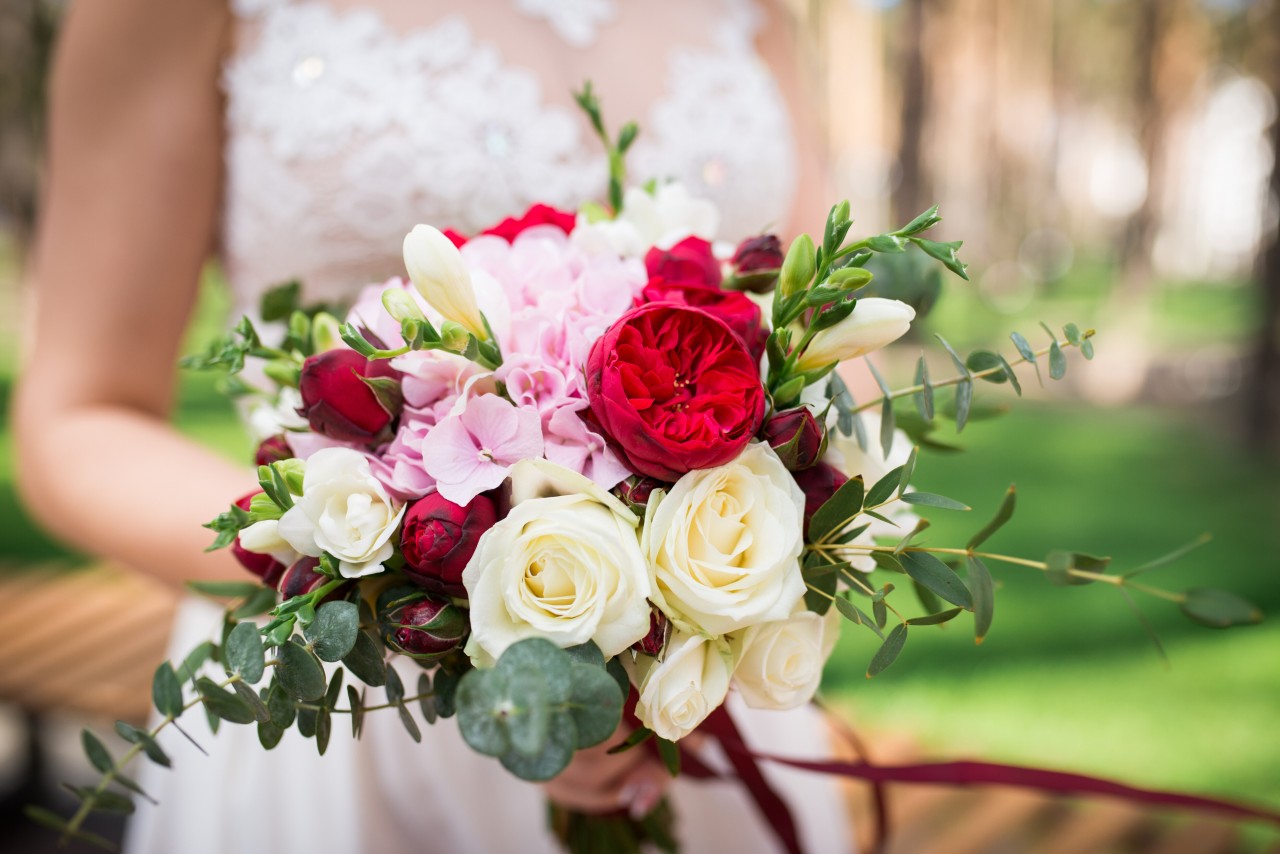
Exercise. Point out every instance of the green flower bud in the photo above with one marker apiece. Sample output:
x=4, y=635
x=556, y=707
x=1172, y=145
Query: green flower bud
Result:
x=798, y=267
x=400, y=305
x=849, y=277
x=326, y=332
x=454, y=336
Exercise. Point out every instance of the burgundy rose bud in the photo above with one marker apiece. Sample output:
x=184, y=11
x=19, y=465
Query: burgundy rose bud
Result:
x=274, y=449
x=439, y=538
x=689, y=262
x=302, y=577
x=798, y=437
x=457, y=238
x=756, y=263
x=419, y=625
x=818, y=484
x=338, y=403
x=635, y=490
x=652, y=643
x=736, y=309
x=264, y=566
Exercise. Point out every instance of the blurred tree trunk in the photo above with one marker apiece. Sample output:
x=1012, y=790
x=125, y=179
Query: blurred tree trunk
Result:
x=1262, y=391
x=913, y=193
x=27, y=29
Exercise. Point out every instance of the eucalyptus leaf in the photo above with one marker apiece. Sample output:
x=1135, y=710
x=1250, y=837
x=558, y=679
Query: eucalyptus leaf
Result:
x=223, y=703
x=299, y=672
x=324, y=729
x=937, y=577
x=884, y=488
x=426, y=698
x=924, y=397
x=888, y=651
x=253, y=701
x=243, y=653
x=669, y=752
x=1219, y=608
x=1003, y=514
x=587, y=653
x=482, y=699
x=99, y=756
x=980, y=361
x=929, y=499
x=1057, y=362
x=103, y=800
x=394, y=686
x=964, y=401
x=595, y=704
x=837, y=511
x=554, y=757
x=936, y=619
x=366, y=660
x=166, y=691
x=225, y=589
x=269, y=734
x=149, y=745
x=982, y=589
x=53, y=821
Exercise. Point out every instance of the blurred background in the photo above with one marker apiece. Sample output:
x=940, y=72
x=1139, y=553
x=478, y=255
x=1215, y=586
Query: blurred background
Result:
x=1108, y=163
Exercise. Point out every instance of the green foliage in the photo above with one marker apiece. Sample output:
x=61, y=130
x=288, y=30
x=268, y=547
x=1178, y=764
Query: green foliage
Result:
x=536, y=706
x=335, y=630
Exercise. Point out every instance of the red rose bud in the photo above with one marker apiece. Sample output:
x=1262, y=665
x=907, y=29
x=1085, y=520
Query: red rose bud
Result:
x=439, y=538
x=818, y=484
x=264, y=566
x=337, y=402
x=798, y=437
x=419, y=625
x=689, y=262
x=635, y=490
x=758, y=253
x=652, y=643
x=509, y=228
x=756, y=263
x=457, y=238
x=736, y=309
x=674, y=389
x=273, y=450
x=301, y=578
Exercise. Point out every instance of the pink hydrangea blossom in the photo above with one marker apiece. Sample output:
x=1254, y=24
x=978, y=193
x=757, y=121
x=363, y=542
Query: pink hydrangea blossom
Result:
x=472, y=451
x=399, y=465
x=570, y=442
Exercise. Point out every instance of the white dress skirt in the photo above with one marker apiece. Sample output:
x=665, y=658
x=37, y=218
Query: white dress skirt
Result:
x=346, y=124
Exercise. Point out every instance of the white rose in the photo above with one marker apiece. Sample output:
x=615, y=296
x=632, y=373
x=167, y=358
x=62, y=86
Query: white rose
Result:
x=847, y=455
x=343, y=510
x=689, y=683
x=724, y=544
x=565, y=567
x=779, y=664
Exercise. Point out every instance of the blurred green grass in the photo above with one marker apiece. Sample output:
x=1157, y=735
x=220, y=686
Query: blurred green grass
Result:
x=1066, y=678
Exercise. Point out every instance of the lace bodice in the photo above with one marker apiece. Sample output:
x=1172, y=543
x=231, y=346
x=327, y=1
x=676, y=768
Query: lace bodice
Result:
x=346, y=125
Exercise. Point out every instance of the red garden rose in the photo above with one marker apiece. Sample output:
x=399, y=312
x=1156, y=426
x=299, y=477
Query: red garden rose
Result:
x=336, y=401
x=689, y=262
x=264, y=566
x=674, y=389
x=736, y=309
x=439, y=538
x=798, y=437
x=536, y=215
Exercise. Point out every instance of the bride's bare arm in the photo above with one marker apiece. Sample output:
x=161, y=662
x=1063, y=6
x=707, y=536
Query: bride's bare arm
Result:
x=127, y=220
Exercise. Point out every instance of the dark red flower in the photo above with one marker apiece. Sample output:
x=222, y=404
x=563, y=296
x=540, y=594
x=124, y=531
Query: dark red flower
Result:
x=690, y=261
x=652, y=643
x=273, y=449
x=798, y=437
x=439, y=538
x=456, y=237
x=536, y=215
x=420, y=625
x=818, y=484
x=763, y=252
x=674, y=389
x=736, y=309
x=264, y=566
x=338, y=403
x=301, y=578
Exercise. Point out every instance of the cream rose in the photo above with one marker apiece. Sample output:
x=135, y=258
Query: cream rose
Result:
x=689, y=683
x=779, y=664
x=724, y=544
x=343, y=510
x=565, y=565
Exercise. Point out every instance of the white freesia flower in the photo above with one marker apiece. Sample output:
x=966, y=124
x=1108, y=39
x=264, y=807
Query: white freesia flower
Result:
x=847, y=455
x=436, y=268
x=662, y=219
x=873, y=323
x=343, y=510
x=779, y=664
x=263, y=537
x=724, y=544
x=270, y=418
x=565, y=565
x=689, y=683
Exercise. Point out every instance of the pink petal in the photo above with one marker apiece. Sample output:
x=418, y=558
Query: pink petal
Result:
x=449, y=452
x=491, y=420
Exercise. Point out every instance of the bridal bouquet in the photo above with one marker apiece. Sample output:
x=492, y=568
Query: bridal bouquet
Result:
x=585, y=467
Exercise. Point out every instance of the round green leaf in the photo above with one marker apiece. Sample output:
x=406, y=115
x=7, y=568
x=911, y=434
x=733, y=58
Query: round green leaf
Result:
x=480, y=697
x=224, y=704
x=334, y=630
x=526, y=714
x=553, y=758
x=595, y=704
x=542, y=657
x=243, y=653
x=300, y=673
x=587, y=653
x=1219, y=609
x=166, y=690
x=982, y=360
x=366, y=660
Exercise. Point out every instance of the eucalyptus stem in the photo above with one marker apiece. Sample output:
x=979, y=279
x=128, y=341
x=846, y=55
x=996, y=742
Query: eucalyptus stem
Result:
x=86, y=805
x=969, y=375
x=314, y=708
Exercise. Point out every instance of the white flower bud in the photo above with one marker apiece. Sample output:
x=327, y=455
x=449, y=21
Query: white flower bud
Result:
x=873, y=323
x=438, y=272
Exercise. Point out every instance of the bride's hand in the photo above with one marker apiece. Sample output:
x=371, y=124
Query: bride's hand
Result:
x=596, y=782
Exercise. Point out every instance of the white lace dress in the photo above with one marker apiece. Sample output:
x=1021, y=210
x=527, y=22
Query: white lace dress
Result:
x=345, y=126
